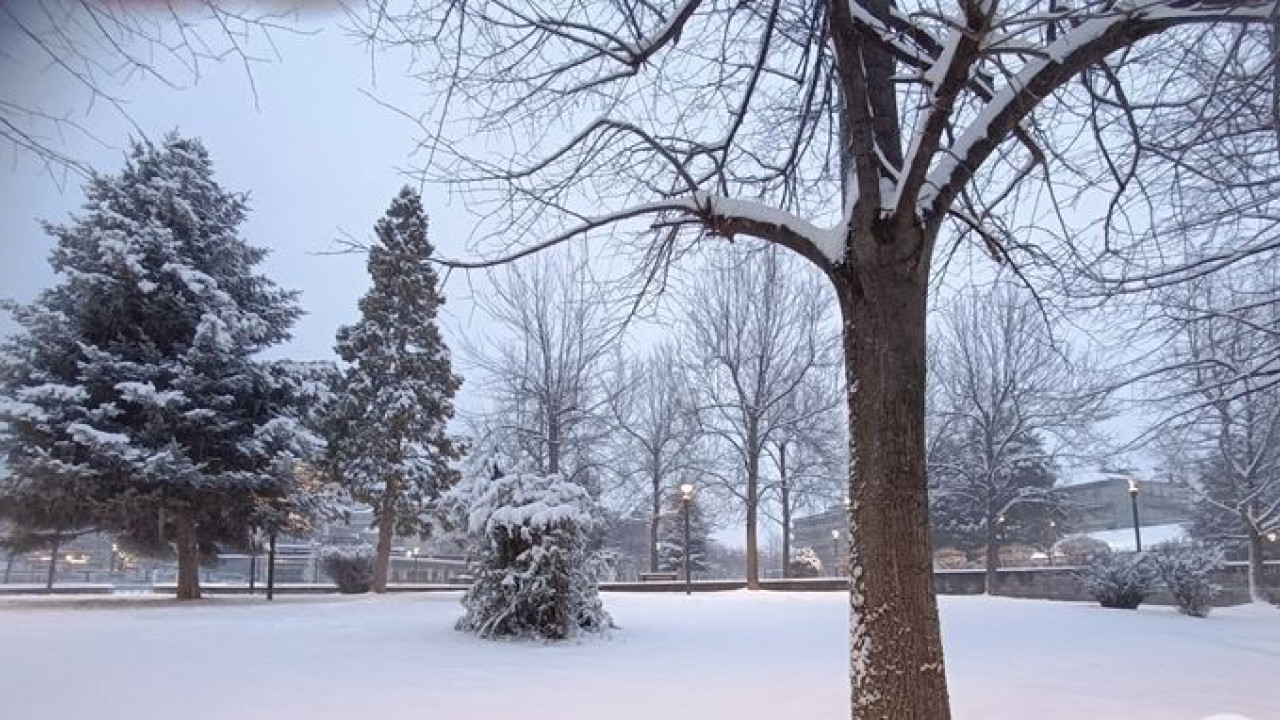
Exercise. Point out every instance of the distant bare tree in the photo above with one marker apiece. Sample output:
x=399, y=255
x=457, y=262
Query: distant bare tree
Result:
x=1224, y=439
x=809, y=453
x=547, y=371
x=656, y=429
x=755, y=330
x=1013, y=401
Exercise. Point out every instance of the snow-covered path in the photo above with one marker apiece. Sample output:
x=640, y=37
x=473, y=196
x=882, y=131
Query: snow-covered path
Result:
x=733, y=655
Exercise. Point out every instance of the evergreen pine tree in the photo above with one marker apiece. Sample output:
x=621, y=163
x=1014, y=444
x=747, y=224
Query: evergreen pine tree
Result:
x=671, y=547
x=132, y=393
x=388, y=441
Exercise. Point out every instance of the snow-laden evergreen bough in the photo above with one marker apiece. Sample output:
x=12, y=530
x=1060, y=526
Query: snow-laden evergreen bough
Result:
x=133, y=395
x=387, y=429
x=536, y=578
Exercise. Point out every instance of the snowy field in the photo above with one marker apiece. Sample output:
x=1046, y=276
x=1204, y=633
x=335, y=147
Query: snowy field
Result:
x=733, y=655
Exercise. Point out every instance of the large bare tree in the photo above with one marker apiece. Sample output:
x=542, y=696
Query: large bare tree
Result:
x=849, y=132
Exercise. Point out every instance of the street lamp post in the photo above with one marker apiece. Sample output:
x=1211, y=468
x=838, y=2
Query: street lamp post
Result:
x=835, y=552
x=1133, y=501
x=686, y=497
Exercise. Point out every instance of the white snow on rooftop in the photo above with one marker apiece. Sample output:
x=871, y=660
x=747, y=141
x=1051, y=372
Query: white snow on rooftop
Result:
x=1123, y=540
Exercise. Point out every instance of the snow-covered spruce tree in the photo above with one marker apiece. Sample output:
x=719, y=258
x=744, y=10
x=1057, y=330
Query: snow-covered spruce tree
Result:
x=536, y=577
x=1183, y=569
x=133, y=384
x=671, y=547
x=388, y=442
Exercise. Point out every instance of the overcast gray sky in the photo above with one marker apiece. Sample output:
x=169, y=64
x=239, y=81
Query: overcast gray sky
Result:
x=317, y=157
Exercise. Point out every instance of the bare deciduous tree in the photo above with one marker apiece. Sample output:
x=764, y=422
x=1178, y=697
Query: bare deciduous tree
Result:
x=809, y=453
x=547, y=373
x=754, y=330
x=656, y=429
x=1224, y=440
x=848, y=132
x=1012, y=402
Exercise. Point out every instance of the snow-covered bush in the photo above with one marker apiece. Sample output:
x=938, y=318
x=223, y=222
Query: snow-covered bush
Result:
x=1183, y=568
x=350, y=566
x=535, y=578
x=805, y=564
x=1119, y=581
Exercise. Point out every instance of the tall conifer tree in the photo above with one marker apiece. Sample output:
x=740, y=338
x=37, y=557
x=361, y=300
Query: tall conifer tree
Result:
x=388, y=441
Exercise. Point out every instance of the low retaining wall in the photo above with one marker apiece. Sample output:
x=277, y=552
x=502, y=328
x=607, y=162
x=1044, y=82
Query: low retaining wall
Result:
x=31, y=589
x=1060, y=583
x=301, y=589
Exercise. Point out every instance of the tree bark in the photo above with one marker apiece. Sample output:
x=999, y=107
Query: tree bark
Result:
x=654, y=519
x=993, y=557
x=188, y=541
x=386, y=533
x=896, y=645
x=1257, y=583
x=53, y=564
x=785, y=498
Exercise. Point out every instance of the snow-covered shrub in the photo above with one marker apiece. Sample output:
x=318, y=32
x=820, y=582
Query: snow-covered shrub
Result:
x=805, y=564
x=1081, y=550
x=535, y=578
x=350, y=566
x=1119, y=581
x=1183, y=568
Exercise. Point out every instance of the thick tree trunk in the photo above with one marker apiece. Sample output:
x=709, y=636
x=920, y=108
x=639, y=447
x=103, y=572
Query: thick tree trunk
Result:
x=993, y=557
x=386, y=533
x=53, y=564
x=1257, y=583
x=896, y=653
x=188, y=541
x=654, y=520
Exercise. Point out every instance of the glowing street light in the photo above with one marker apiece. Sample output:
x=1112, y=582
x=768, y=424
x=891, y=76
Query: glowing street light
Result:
x=835, y=552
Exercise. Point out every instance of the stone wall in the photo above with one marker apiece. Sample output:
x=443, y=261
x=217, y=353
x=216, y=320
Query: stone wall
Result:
x=1060, y=583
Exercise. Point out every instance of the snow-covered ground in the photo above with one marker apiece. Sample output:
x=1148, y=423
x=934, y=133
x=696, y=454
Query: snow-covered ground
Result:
x=732, y=655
